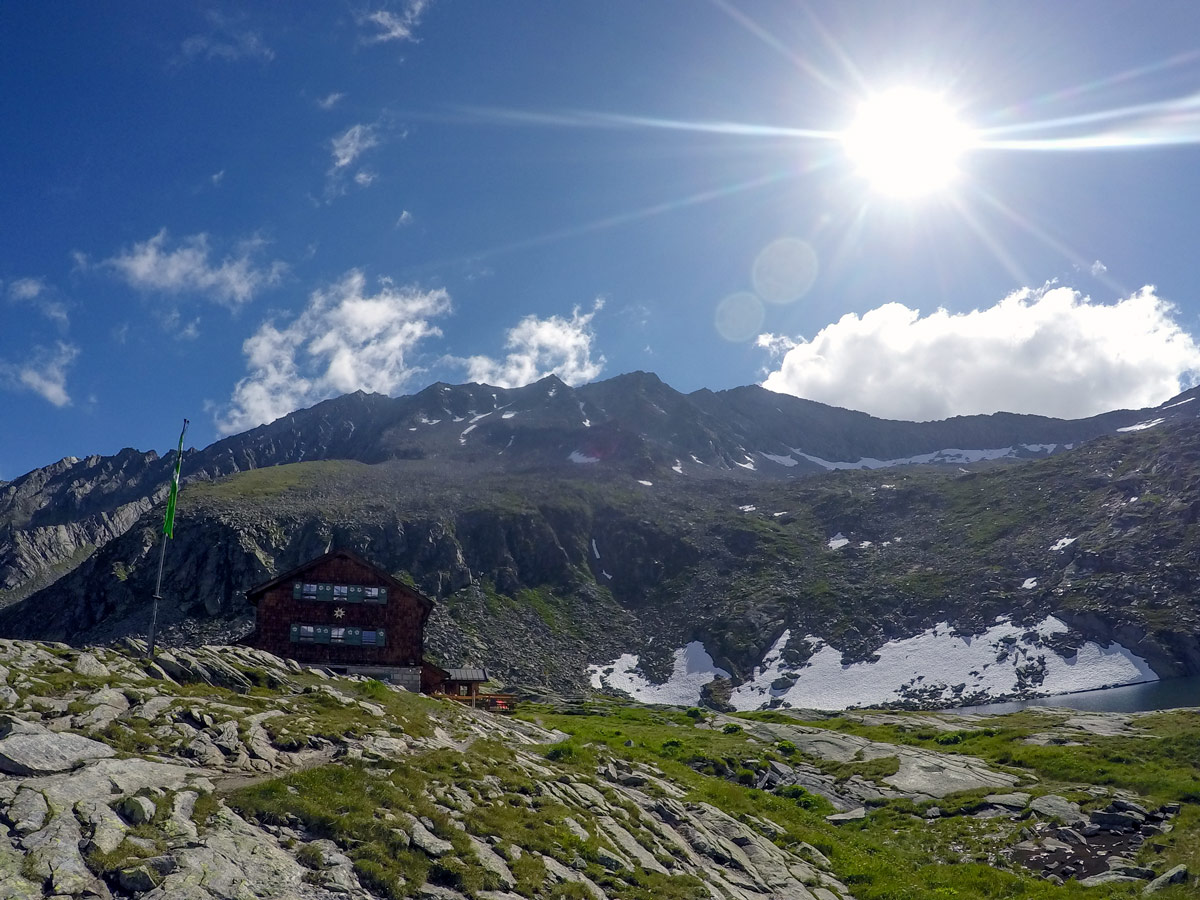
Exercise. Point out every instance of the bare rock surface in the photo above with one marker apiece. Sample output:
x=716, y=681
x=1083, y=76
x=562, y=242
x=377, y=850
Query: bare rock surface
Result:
x=29, y=749
x=922, y=774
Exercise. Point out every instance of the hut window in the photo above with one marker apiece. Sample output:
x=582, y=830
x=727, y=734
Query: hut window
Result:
x=306, y=632
x=338, y=636
x=370, y=636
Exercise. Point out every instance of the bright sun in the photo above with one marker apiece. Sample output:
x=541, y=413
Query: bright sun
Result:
x=906, y=142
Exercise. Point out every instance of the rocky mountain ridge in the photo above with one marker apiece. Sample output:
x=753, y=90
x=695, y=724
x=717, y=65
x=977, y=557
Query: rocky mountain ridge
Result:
x=539, y=579
x=561, y=529
x=53, y=517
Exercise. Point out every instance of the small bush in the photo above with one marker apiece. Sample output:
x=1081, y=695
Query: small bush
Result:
x=787, y=748
x=671, y=746
x=731, y=728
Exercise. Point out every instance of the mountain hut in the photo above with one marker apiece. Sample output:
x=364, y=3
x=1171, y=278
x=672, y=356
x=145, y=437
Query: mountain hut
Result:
x=341, y=612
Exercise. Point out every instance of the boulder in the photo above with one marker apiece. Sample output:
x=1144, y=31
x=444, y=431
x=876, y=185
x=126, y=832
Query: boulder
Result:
x=1109, y=819
x=1106, y=878
x=426, y=840
x=1015, y=801
x=28, y=812
x=1052, y=806
x=1177, y=875
x=29, y=749
x=852, y=816
x=89, y=667
x=138, y=810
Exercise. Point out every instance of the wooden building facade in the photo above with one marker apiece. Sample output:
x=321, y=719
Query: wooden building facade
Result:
x=341, y=612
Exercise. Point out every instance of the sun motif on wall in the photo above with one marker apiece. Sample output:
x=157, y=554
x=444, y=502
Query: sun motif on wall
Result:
x=339, y=613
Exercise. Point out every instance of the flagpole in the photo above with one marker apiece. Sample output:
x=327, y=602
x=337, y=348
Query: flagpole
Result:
x=162, y=555
x=168, y=532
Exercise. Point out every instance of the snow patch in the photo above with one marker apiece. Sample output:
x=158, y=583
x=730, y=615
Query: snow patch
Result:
x=595, y=550
x=838, y=541
x=482, y=416
x=1180, y=403
x=748, y=464
x=586, y=422
x=697, y=460
x=425, y=420
x=1142, y=426
x=936, y=661
x=693, y=668
x=1061, y=544
x=462, y=438
x=646, y=483
x=748, y=508
x=946, y=456
x=577, y=457
x=781, y=460
x=1029, y=584
x=678, y=467
x=507, y=415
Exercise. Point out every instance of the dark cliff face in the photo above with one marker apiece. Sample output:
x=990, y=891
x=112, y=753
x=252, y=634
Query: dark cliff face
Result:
x=562, y=526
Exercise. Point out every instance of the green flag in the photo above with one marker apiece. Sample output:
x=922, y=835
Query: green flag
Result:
x=169, y=521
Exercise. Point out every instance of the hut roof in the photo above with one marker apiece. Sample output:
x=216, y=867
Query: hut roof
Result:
x=254, y=593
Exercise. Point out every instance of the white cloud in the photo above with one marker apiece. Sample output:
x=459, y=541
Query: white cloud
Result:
x=395, y=26
x=36, y=292
x=218, y=177
x=1098, y=268
x=345, y=149
x=44, y=371
x=406, y=219
x=540, y=347
x=330, y=100
x=346, y=339
x=26, y=288
x=1052, y=351
x=352, y=143
x=236, y=279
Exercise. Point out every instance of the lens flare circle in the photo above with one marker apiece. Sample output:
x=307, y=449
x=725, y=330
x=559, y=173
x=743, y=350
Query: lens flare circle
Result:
x=739, y=317
x=784, y=271
x=906, y=142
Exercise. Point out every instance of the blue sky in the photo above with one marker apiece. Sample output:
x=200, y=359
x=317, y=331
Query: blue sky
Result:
x=227, y=211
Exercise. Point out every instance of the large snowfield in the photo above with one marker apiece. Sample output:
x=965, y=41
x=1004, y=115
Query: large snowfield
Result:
x=931, y=664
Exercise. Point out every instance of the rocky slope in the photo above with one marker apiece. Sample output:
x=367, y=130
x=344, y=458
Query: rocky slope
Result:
x=224, y=772
x=539, y=578
x=52, y=518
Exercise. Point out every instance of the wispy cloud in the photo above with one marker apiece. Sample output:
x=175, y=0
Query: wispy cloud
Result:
x=36, y=292
x=540, y=347
x=394, y=26
x=353, y=143
x=43, y=371
x=330, y=100
x=406, y=219
x=217, y=177
x=345, y=149
x=346, y=339
x=226, y=41
x=1051, y=351
x=188, y=269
